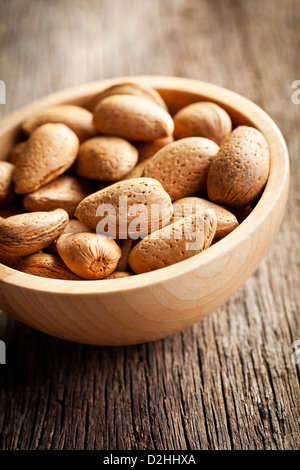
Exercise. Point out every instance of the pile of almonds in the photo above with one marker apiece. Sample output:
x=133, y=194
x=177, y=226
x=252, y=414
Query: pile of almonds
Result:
x=76, y=160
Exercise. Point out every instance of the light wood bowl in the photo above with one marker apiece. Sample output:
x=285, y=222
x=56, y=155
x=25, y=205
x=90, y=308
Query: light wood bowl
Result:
x=157, y=304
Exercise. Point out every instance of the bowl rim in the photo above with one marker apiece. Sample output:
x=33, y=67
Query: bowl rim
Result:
x=278, y=178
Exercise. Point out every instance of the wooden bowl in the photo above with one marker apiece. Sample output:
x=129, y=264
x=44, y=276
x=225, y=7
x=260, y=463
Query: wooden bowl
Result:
x=156, y=304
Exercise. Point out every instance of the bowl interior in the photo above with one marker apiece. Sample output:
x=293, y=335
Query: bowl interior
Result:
x=177, y=93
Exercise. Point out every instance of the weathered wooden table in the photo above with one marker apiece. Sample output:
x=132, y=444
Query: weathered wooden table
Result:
x=228, y=382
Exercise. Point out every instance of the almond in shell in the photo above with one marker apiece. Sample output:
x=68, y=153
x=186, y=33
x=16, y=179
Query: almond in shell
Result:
x=226, y=221
x=145, y=206
x=174, y=243
x=25, y=234
x=78, y=119
x=66, y=192
x=6, y=182
x=203, y=119
x=148, y=149
x=17, y=150
x=46, y=265
x=182, y=166
x=105, y=158
x=130, y=88
x=239, y=172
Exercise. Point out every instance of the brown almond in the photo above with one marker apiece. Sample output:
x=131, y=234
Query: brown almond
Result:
x=50, y=151
x=6, y=182
x=226, y=221
x=239, y=172
x=105, y=158
x=78, y=119
x=203, y=119
x=120, y=222
x=25, y=234
x=132, y=117
x=118, y=275
x=173, y=243
x=10, y=209
x=89, y=255
x=66, y=192
x=126, y=246
x=182, y=166
x=129, y=88
x=73, y=226
x=17, y=150
x=148, y=149
x=45, y=265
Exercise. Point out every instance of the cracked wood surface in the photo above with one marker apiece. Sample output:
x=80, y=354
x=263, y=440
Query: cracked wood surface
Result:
x=228, y=382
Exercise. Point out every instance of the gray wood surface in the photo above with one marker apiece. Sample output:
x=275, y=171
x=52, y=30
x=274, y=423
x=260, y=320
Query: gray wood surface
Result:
x=228, y=382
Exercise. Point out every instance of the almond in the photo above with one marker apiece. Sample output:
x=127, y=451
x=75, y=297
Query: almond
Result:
x=10, y=209
x=148, y=149
x=182, y=166
x=239, y=172
x=6, y=182
x=17, y=150
x=73, y=226
x=24, y=234
x=120, y=222
x=49, y=152
x=137, y=171
x=66, y=192
x=126, y=246
x=226, y=221
x=118, y=275
x=132, y=117
x=45, y=265
x=105, y=158
x=89, y=255
x=173, y=243
x=78, y=119
x=129, y=88
x=203, y=119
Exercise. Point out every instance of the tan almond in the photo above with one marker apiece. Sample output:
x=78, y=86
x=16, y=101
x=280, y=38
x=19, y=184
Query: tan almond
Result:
x=17, y=150
x=105, y=158
x=118, y=275
x=78, y=119
x=25, y=234
x=89, y=255
x=174, y=243
x=45, y=265
x=203, y=119
x=121, y=221
x=132, y=117
x=73, y=226
x=239, y=172
x=49, y=152
x=148, y=149
x=6, y=182
x=182, y=166
x=129, y=88
x=138, y=170
x=66, y=192
x=226, y=221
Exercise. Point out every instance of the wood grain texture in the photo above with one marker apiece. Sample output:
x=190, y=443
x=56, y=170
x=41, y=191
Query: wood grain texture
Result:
x=229, y=381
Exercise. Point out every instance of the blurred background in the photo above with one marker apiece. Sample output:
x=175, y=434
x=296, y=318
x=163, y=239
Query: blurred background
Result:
x=228, y=382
